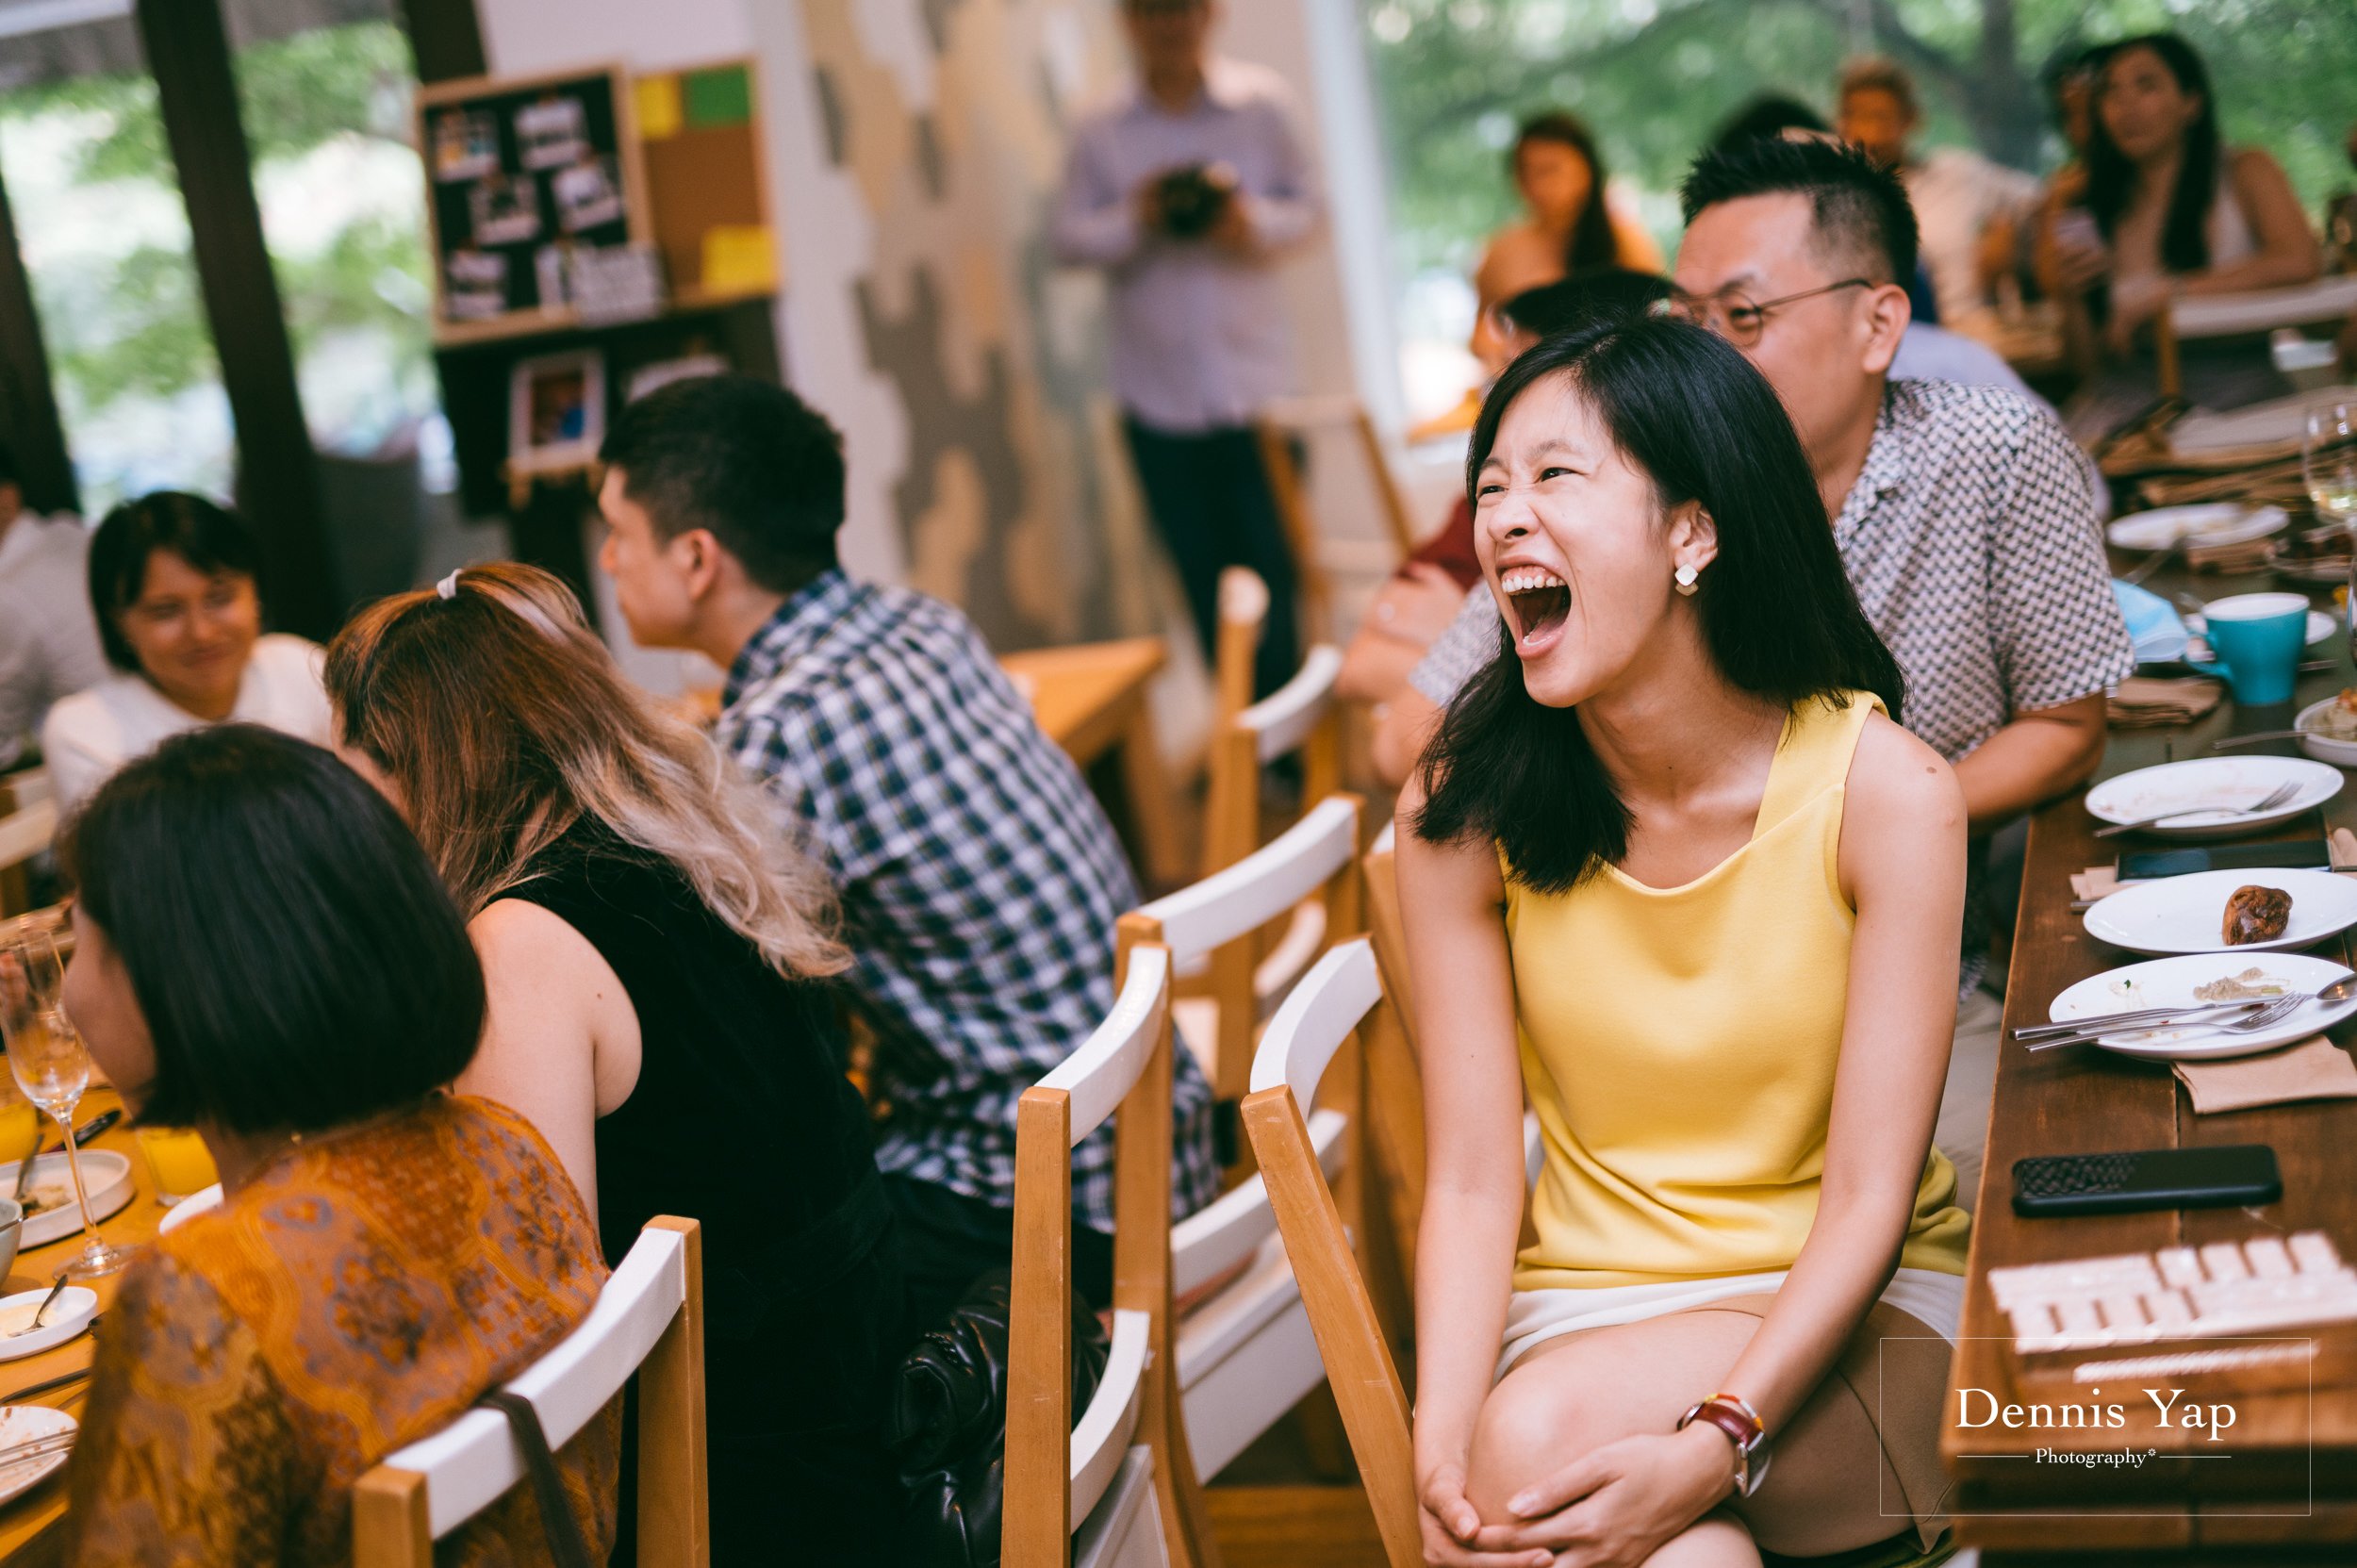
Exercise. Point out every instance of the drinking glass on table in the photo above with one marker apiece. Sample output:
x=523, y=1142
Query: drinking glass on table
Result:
x=48, y=1062
x=2328, y=462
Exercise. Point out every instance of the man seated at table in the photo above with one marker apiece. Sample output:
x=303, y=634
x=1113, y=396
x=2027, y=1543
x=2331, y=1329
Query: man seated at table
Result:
x=980, y=879
x=1963, y=515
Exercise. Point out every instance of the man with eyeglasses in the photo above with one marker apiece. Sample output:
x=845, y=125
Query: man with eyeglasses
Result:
x=1962, y=514
x=1186, y=190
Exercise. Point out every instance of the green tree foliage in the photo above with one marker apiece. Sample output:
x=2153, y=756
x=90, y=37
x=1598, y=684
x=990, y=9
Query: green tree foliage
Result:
x=1655, y=77
x=137, y=328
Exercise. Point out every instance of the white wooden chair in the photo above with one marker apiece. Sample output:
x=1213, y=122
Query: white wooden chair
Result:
x=28, y=825
x=649, y=1320
x=1300, y=718
x=1324, y=1012
x=1243, y=618
x=1279, y=427
x=1117, y=1488
x=1244, y=1355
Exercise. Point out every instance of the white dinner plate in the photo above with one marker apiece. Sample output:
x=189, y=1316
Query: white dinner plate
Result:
x=2206, y=792
x=204, y=1199
x=68, y=1316
x=2172, y=982
x=107, y=1174
x=2187, y=915
x=2323, y=747
x=2214, y=524
x=23, y=1424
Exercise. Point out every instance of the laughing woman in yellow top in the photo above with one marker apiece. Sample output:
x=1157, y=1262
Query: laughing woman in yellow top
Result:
x=1672, y=851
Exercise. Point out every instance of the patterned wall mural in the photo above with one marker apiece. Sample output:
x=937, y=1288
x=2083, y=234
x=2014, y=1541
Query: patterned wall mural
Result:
x=949, y=119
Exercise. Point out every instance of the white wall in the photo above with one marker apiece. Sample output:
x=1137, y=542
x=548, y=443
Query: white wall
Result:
x=524, y=36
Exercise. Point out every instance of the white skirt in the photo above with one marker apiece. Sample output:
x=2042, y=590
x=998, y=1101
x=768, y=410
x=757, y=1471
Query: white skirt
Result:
x=1532, y=1317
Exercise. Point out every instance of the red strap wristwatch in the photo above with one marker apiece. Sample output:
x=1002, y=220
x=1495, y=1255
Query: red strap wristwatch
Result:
x=1732, y=1414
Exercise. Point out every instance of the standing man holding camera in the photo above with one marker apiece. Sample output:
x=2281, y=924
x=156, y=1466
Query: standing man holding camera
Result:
x=1186, y=190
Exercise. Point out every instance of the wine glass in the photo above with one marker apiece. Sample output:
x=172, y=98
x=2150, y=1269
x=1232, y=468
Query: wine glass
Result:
x=47, y=1060
x=2328, y=462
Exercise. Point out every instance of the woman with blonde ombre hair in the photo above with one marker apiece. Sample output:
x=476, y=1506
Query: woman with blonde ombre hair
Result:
x=656, y=956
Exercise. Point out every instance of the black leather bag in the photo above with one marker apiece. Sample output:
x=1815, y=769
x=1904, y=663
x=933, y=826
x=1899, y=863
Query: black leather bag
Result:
x=947, y=1425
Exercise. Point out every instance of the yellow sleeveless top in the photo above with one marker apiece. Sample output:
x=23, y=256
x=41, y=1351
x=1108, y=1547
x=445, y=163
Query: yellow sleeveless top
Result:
x=1679, y=1045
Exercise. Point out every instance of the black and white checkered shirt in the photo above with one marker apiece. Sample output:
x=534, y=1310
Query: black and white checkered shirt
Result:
x=1972, y=540
x=980, y=879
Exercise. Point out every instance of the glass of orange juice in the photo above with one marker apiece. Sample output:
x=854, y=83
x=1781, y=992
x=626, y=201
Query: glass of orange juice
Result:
x=177, y=1161
x=20, y=1124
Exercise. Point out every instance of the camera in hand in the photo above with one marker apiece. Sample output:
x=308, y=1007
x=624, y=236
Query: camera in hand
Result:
x=1192, y=200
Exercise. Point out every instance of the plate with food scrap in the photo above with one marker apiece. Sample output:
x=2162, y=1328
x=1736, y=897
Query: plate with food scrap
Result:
x=2192, y=980
x=2256, y=910
x=2212, y=797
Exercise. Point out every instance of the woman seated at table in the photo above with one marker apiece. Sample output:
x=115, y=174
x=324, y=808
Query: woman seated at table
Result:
x=262, y=952
x=656, y=955
x=2167, y=210
x=1671, y=841
x=173, y=583
x=1570, y=225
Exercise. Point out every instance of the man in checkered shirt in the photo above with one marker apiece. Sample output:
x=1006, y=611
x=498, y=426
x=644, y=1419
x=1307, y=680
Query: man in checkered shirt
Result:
x=1964, y=516
x=978, y=879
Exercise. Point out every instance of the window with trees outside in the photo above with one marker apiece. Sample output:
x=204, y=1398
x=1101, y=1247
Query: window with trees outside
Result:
x=1653, y=79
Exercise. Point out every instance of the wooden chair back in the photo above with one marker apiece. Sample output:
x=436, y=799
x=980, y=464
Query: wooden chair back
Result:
x=1303, y=1040
x=649, y=1320
x=1308, y=874
x=1299, y=719
x=1243, y=618
x=2246, y=312
x=1093, y=1476
x=1289, y=419
x=28, y=825
x=1394, y=1062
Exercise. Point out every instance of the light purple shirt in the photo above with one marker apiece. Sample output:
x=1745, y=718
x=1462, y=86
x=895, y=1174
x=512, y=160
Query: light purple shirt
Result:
x=1198, y=338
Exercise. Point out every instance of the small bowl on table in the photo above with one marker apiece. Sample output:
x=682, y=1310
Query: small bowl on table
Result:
x=11, y=1231
x=2324, y=747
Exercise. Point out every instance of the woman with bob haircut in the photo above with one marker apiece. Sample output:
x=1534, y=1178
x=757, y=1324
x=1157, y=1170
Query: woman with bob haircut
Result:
x=657, y=956
x=262, y=951
x=174, y=587
x=1649, y=847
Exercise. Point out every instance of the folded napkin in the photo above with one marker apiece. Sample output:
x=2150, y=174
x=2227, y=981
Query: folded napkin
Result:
x=2314, y=1068
x=2146, y=702
x=2250, y=555
x=2096, y=882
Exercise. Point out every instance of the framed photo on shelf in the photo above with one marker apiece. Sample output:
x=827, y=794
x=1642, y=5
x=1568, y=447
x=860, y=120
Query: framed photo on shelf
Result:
x=555, y=412
x=524, y=174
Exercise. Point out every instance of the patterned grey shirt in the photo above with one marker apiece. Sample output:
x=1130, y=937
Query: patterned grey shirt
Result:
x=1972, y=540
x=979, y=880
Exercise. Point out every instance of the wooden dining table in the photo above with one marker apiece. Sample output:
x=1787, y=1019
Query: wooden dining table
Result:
x=2281, y=1486
x=29, y=1532
x=1091, y=700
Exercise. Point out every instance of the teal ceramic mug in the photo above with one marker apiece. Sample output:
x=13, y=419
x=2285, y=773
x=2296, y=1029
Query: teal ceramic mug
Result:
x=2257, y=637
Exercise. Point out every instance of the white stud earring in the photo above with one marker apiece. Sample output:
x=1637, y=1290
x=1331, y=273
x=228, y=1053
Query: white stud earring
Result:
x=1685, y=576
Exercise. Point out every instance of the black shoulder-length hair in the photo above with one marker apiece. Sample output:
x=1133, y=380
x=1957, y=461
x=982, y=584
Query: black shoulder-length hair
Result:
x=1592, y=242
x=2111, y=178
x=1778, y=616
x=207, y=536
x=299, y=963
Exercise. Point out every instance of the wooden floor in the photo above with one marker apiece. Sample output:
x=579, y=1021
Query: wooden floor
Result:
x=1293, y=1527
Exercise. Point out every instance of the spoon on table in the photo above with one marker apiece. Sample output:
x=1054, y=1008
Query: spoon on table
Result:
x=42, y=1311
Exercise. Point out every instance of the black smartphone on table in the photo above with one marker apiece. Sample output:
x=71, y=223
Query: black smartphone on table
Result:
x=2229, y=1176
x=2151, y=864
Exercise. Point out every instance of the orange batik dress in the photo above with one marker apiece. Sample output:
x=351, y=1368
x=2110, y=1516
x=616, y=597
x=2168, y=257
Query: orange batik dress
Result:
x=357, y=1295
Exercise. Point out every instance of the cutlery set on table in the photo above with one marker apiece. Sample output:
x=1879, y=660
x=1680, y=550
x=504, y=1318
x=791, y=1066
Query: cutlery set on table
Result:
x=2225, y=977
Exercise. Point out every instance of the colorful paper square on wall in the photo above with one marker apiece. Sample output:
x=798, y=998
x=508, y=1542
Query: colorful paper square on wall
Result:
x=659, y=112
x=721, y=96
